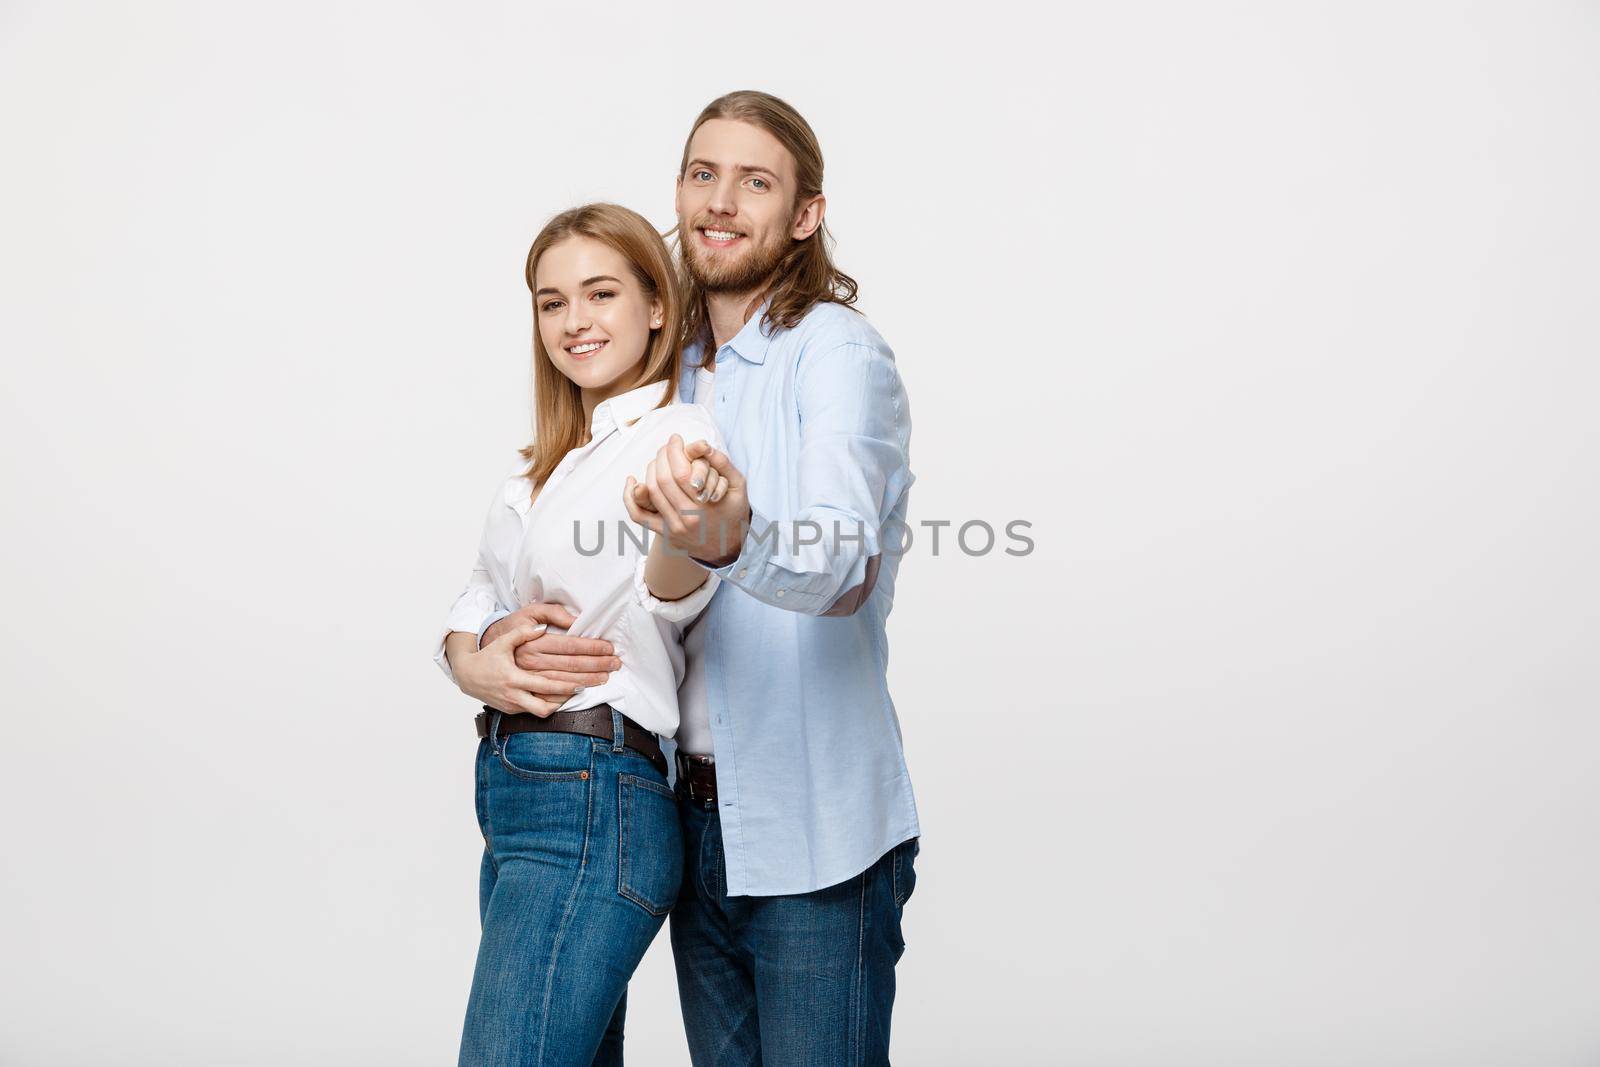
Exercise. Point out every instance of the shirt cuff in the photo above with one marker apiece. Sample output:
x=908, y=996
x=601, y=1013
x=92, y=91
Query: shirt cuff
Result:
x=443, y=660
x=754, y=572
x=753, y=551
x=681, y=611
x=438, y=651
x=495, y=617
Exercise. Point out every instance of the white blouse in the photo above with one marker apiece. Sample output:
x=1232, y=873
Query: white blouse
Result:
x=546, y=550
x=694, y=701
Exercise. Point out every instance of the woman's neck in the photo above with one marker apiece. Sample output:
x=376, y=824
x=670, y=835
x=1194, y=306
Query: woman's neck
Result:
x=593, y=398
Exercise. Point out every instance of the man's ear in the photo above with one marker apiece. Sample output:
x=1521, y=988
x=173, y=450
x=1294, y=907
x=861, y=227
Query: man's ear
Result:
x=677, y=196
x=809, y=217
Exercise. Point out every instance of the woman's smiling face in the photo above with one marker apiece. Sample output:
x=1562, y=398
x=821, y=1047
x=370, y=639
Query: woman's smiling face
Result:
x=593, y=316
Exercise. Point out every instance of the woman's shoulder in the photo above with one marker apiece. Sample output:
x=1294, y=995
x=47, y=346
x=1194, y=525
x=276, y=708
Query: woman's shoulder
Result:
x=692, y=422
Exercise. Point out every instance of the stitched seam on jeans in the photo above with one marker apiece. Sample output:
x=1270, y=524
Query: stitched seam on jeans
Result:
x=566, y=918
x=858, y=990
x=482, y=803
x=718, y=859
x=626, y=782
x=542, y=776
x=664, y=790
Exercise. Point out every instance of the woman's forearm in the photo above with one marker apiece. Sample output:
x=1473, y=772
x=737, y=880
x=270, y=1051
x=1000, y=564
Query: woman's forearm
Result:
x=671, y=575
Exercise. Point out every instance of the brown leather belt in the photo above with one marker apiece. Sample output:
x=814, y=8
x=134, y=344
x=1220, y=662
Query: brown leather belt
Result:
x=697, y=777
x=590, y=722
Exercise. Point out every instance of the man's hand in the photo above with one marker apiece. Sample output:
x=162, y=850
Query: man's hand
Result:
x=534, y=615
x=492, y=676
x=694, y=497
x=561, y=660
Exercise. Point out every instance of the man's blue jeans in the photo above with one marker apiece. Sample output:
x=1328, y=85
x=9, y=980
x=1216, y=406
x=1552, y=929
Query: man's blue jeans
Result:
x=582, y=861
x=790, y=981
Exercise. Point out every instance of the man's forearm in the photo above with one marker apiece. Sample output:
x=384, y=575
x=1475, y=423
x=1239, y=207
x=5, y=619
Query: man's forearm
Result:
x=731, y=541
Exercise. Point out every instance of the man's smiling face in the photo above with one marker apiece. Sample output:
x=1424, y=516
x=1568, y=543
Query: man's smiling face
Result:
x=736, y=206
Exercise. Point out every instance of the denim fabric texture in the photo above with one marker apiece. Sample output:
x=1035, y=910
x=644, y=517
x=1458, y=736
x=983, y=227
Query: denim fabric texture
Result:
x=582, y=861
x=803, y=980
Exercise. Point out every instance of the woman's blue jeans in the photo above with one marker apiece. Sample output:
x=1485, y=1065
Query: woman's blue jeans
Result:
x=582, y=860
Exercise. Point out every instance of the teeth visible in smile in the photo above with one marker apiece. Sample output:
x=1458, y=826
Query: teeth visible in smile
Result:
x=590, y=347
x=719, y=235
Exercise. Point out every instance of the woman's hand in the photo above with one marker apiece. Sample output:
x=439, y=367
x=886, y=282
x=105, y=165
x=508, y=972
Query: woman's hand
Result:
x=705, y=520
x=714, y=486
x=491, y=675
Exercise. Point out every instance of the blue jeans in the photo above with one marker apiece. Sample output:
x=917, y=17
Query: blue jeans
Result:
x=790, y=981
x=582, y=861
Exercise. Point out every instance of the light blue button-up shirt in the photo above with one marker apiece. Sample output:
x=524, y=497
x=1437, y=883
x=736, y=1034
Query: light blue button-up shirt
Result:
x=811, y=776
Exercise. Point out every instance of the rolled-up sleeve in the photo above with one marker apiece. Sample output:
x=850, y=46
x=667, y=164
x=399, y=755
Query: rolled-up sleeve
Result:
x=853, y=467
x=473, y=612
x=682, y=611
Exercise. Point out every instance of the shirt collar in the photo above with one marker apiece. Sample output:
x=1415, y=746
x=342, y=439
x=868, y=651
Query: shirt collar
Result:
x=609, y=415
x=623, y=408
x=750, y=343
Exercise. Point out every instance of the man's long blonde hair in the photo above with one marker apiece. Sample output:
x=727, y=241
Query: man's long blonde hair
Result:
x=558, y=422
x=806, y=276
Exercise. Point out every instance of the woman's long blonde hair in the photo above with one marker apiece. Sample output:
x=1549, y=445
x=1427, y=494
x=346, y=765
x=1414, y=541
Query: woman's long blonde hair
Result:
x=558, y=422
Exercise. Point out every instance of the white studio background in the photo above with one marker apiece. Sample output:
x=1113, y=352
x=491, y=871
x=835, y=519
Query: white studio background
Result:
x=1277, y=321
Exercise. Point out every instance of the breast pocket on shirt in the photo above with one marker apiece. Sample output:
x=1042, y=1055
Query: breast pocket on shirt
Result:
x=650, y=848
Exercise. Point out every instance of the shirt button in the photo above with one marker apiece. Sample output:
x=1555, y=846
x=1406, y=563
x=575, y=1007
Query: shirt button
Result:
x=743, y=571
x=778, y=593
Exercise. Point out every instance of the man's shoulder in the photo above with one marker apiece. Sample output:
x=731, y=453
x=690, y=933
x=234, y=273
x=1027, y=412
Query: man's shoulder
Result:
x=830, y=325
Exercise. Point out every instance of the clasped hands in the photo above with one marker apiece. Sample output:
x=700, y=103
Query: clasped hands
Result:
x=691, y=495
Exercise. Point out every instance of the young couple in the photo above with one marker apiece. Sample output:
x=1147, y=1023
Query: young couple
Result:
x=735, y=405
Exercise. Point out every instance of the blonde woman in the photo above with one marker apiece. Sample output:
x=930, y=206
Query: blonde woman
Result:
x=582, y=850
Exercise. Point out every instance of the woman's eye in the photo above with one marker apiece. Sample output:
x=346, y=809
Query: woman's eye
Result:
x=552, y=305
x=603, y=293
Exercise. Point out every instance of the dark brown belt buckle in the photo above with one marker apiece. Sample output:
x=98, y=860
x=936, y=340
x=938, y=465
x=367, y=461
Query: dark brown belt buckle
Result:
x=692, y=774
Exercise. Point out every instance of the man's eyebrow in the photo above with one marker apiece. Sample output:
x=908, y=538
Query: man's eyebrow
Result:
x=743, y=168
x=581, y=285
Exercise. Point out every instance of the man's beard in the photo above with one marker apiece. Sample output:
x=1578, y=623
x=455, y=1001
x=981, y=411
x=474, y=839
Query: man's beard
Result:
x=748, y=273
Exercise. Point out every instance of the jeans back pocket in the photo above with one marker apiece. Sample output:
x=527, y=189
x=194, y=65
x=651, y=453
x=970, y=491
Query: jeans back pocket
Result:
x=649, y=844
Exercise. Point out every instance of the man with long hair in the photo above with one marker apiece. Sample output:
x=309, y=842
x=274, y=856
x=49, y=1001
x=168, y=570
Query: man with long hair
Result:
x=799, y=825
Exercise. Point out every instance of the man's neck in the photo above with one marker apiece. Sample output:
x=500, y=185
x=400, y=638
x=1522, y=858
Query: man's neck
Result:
x=729, y=312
